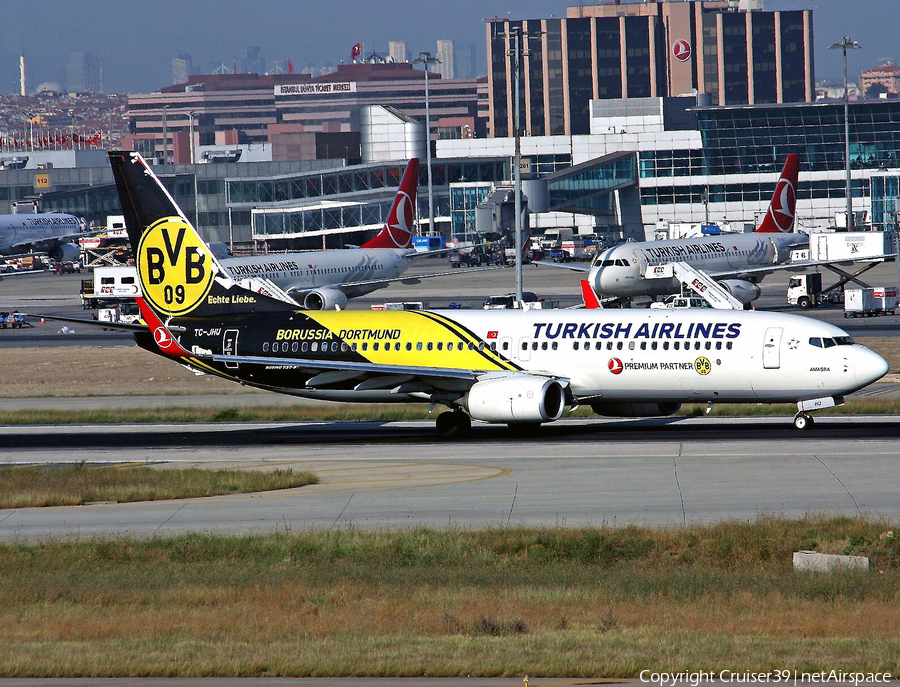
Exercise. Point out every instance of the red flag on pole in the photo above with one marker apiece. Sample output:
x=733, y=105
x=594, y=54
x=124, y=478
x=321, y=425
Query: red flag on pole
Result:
x=356, y=51
x=290, y=67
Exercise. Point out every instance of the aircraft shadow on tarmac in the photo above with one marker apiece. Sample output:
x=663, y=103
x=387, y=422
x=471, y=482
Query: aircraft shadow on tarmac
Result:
x=636, y=431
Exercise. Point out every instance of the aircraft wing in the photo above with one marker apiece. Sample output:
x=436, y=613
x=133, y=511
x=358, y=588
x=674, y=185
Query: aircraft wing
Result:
x=409, y=279
x=800, y=265
x=43, y=243
x=118, y=326
x=574, y=267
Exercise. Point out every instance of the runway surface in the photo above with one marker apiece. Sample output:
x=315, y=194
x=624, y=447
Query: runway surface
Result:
x=573, y=473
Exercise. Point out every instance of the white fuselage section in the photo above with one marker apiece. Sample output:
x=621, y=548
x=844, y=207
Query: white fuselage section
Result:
x=620, y=270
x=691, y=355
x=19, y=232
x=300, y=272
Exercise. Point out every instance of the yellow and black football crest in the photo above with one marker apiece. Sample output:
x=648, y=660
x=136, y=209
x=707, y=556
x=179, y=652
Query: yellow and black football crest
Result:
x=175, y=270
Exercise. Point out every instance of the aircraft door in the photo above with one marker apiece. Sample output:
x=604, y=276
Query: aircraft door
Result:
x=230, y=346
x=524, y=353
x=772, y=348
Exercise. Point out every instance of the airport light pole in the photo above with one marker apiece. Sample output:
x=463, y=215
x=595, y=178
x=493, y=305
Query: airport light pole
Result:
x=426, y=58
x=844, y=45
x=191, y=133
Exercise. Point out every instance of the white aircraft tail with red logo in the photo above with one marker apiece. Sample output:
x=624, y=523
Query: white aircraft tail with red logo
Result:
x=780, y=217
x=398, y=231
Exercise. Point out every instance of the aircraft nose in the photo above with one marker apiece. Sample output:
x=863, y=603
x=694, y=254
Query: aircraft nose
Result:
x=869, y=366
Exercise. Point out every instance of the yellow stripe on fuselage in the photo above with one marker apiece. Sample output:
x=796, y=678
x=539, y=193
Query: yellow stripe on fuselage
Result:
x=413, y=328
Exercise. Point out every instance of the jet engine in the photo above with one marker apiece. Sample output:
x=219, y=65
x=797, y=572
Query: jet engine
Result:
x=746, y=292
x=65, y=252
x=614, y=409
x=325, y=299
x=519, y=398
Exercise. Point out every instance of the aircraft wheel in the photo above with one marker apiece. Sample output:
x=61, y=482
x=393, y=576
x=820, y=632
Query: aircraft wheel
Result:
x=453, y=425
x=803, y=421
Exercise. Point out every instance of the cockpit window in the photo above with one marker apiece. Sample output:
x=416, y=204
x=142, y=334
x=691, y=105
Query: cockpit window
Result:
x=608, y=263
x=621, y=262
x=828, y=342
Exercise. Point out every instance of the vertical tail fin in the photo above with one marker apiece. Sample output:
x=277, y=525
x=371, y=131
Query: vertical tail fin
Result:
x=780, y=216
x=178, y=273
x=587, y=294
x=398, y=230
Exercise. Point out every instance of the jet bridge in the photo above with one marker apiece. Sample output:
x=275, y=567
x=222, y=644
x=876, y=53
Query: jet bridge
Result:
x=697, y=281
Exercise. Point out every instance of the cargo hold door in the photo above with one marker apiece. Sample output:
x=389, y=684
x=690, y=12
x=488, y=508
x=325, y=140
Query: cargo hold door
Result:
x=772, y=348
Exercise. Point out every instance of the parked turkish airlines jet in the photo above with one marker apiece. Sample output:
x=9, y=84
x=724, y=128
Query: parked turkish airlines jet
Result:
x=736, y=261
x=52, y=233
x=324, y=280
x=509, y=366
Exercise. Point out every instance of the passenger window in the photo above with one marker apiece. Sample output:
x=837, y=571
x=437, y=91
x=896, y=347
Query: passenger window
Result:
x=599, y=345
x=440, y=345
x=481, y=345
x=653, y=345
x=460, y=346
x=365, y=346
x=696, y=345
x=718, y=345
x=315, y=346
x=554, y=345
x=375, y=346
x=619, y=346
x=575, y=345
x=729, y=344
x=344, y=348
x=631, y=345
x=643, y=345
x=408, y=345
x=305, y=347
x=506, y=345
x=294, y=347
x=665, y=345
x=524, y=345
x=708, y=345
x=353, y=346
x=471, y=346
x=534, y=345
x=677, y=345
x=266, y=347
x=418, y=345
x=609, y=345
x=430, y=346
x=544, y=346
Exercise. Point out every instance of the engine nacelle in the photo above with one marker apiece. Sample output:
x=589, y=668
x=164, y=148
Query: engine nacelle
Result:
x=520, y=398
x=746, y=292
x=614, y=409
x=65, y=252
x=325, y=299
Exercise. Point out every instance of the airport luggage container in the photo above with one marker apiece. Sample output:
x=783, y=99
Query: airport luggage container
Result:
x=869, y=302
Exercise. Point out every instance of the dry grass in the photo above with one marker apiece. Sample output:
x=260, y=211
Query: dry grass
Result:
x=76, y=485
x=582, y=602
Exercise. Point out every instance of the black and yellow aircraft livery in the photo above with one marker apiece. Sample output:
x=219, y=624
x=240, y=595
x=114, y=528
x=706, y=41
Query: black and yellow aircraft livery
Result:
x=515, y=367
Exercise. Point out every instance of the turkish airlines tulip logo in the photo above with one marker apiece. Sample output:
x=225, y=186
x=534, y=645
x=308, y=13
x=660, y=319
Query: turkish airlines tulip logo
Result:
x=162, y=338
x=783, y=204
x=681, y=50
x=400, y=229
x=615, y=366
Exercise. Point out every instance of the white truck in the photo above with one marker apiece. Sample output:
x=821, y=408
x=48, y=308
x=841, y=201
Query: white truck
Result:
x=110, y=286
x=869, y=302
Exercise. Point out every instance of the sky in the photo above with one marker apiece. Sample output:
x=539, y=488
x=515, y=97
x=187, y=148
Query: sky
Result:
x=139, y=39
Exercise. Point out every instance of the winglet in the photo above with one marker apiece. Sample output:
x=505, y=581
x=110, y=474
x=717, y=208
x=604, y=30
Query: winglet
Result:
x=398, y=230
x=780, y=216
x=166, y=343
x=591, y=302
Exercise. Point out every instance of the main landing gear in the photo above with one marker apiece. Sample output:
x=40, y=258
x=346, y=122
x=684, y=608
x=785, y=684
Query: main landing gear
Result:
x=453, y=424
x=803, y=421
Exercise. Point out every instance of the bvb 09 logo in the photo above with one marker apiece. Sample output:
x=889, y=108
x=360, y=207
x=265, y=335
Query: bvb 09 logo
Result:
x=702, y=365
x=173, y=266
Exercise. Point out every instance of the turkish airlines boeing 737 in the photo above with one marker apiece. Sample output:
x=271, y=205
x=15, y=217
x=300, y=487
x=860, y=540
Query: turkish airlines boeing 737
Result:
x=512, y=366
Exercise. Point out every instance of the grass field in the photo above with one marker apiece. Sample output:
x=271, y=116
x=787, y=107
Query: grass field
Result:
x=76, y=485
x=585, y=602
